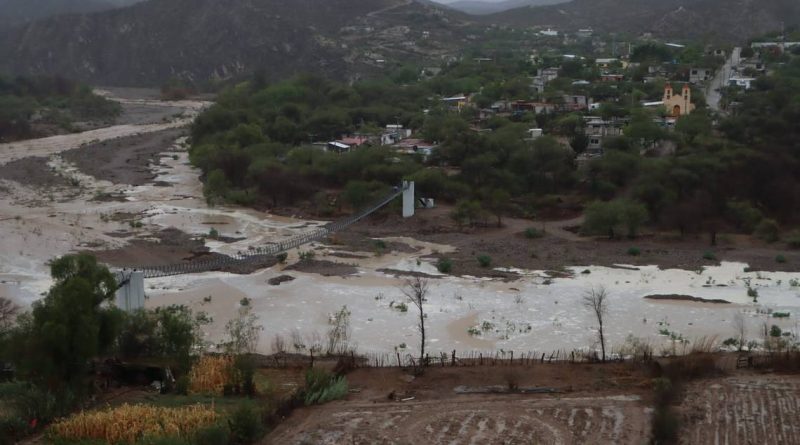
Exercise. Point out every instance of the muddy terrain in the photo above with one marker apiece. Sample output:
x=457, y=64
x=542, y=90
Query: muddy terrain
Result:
x=390, y=406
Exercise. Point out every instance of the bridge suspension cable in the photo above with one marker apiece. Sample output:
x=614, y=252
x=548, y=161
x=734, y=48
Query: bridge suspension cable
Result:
x=271, y=249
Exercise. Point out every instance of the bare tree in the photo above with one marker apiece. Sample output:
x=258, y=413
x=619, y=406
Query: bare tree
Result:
x=8, y=312
x=339, y=334
x=244, y=332
x=416, y=289
x=740, y=327
x=597, y=301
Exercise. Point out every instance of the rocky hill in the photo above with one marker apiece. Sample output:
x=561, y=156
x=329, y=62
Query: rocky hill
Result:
x=19, y=12
x=718, y=20
x=480, y=7
x=199, y=40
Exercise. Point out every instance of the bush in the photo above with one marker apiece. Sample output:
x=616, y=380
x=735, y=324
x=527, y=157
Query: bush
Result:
x=213, y=233
x=710, y=256
x=245, y=424
x=182, y=385
x=323, y=387
x=768, y=230
x=281, y=257
x=532, y=233
x=484, y=260
x=744, y=215
x=212, y=435
x=780, y=259
x=444, y=265
x=611, y=218
x=634, y=251
x=793, y=240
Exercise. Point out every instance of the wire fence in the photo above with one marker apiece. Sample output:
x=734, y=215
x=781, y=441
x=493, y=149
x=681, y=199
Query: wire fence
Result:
x=269, y=250
x=453, y=358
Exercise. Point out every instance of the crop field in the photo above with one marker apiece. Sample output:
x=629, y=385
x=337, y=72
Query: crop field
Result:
x=754, y=409
x=474, y=419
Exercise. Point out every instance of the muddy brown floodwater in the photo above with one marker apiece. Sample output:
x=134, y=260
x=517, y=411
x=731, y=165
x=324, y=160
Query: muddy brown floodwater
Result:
x=129, y=194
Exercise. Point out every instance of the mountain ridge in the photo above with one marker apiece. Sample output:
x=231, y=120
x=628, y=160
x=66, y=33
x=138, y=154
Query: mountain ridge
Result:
x=201, y=40
x=713, y=20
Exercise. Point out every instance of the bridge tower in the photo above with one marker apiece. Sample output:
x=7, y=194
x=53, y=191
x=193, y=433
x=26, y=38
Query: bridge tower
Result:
x=130, y=294
x=408, y=199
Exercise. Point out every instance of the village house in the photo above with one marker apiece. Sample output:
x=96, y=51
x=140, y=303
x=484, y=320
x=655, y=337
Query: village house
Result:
x=606, y=63
x=394, y=133
x=680, y=104
x=415, y=146
x=520, y=107
x=548, y=74
x=700, y=75
x=751, y=64
x=348, y=143
x=585, y=33
x=538, y=84
x=608, y=77
x=457, y=102
x=572, y=102
x=596, y=130
x=743, y=82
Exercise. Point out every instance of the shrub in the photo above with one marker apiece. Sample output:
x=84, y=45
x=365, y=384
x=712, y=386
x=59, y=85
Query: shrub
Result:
x=323, y=387
x=710, y=256
x=245, y=424
x=780, y=259
x=532, y=233
x=307, y=255
x=744, y=215
x=775, y=331
x=213, y=233
x=768, y=230
x=281, y=257
x=212, y=435
x=484, y=260
x=402, y=307
x=634, y=251
x=444, y=265
x=793, y=240
x=781, y=314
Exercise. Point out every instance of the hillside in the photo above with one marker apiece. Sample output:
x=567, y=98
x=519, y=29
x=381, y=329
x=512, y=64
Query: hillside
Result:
x=478, y=7
x=719, y=20
x=202, y=40
x=18, y=12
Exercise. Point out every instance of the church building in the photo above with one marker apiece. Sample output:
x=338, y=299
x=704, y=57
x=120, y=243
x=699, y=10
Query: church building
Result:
x=678, y=105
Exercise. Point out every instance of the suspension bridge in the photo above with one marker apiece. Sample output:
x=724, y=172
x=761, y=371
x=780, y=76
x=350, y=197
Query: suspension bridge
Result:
x=130, y=294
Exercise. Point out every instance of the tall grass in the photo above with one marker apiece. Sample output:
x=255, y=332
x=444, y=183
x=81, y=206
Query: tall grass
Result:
x=323, y=387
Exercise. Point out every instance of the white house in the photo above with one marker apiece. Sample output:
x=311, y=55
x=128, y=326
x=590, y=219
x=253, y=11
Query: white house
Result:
x=744, y=82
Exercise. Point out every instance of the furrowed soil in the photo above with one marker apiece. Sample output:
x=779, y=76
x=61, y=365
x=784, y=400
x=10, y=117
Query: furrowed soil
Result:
x=590, y=408
x=745, y=409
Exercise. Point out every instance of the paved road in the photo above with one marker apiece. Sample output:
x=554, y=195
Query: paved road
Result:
x=721, y=79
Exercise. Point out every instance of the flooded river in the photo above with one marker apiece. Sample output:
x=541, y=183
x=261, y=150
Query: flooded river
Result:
x=536, y=312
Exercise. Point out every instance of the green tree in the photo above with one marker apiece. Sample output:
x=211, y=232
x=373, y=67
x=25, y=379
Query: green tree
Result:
x=73, y=324
x=610, y=218
x=498, y=202
x=357, y=194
